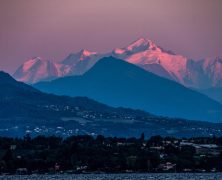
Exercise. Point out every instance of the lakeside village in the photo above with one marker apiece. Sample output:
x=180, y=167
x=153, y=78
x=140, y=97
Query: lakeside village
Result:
x=87, y=154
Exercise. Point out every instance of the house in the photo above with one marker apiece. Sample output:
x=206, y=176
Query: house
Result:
x=157, y=148
x=13, y=147
x=21, y=171
x=167, y=166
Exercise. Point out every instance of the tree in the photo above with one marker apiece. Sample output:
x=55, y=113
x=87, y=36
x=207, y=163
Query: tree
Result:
x=142, y=137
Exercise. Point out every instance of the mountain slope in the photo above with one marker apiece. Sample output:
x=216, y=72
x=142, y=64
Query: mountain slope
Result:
x=118, y=83
x=37, y=69
x=21, y=93
x=27, y=110
x=214, y=93
x=78, y=63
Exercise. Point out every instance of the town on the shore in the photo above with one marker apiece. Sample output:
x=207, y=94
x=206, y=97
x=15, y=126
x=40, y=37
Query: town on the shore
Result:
x=89, y=154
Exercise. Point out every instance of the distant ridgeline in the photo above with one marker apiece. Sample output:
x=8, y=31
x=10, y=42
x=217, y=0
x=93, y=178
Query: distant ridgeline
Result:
x=85, y=154
x=25, y=109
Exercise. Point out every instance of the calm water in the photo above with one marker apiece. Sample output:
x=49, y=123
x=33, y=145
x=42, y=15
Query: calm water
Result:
x=181, y=176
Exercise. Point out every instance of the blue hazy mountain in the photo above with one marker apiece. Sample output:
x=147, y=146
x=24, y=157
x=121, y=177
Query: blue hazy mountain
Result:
x=118, y=83
x=24, y=109
x=214, y=93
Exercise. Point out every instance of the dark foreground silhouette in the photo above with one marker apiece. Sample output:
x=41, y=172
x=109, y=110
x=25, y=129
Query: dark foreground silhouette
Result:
x=83, y=154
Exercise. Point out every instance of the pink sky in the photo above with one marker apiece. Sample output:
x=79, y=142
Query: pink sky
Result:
x=54, y=28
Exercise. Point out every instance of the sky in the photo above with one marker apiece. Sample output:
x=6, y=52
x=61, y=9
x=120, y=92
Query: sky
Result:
x=52, y=29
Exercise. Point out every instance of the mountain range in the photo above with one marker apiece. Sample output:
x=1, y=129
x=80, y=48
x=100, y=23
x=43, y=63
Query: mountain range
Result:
x=201, y=75
x=25, y=109
x=38, y=69
x=118, y=83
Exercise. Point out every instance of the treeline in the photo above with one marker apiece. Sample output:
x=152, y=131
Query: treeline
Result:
x=85, y=153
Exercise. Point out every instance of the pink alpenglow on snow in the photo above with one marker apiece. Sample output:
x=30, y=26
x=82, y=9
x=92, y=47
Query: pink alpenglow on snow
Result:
x=37, y=69
x=202, y=74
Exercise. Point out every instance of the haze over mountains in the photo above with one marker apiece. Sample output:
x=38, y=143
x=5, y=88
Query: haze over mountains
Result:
x=118, y=83
x=200, y=74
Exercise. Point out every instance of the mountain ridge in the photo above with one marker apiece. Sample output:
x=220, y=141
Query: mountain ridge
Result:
x=27, y=110
x=195, y=74
x=144, y=52
x=119, y=83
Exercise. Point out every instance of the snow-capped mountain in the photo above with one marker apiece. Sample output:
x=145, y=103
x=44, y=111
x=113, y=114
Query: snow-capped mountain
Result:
x=78, y=63
x=212, y=69
x=152, y=58
x=38, y=69
x=198, y=74
x=74, y=58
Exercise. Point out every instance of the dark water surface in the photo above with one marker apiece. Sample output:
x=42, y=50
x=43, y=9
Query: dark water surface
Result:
x=163, y=176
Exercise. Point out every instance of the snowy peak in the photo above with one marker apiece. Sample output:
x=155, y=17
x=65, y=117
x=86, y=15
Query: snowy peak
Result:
x=146, y=54
x=140, y=45
x=85, y=52
x=36, y=69
x=74, y=58
x=80, y=62
x=32, y=62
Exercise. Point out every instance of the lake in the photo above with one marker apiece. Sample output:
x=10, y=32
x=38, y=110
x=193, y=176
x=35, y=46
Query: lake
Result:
x=148, y=176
